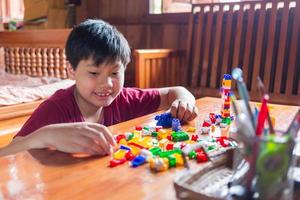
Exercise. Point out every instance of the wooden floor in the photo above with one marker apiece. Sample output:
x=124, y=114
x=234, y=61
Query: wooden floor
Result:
x=8, y=128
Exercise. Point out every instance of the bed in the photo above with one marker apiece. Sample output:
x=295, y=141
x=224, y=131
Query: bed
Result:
x=31, y=56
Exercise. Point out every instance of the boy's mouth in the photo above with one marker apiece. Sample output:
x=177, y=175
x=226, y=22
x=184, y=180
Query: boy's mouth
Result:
x=102, y=94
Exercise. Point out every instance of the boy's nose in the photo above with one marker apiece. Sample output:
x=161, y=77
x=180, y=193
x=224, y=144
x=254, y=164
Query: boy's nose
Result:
x=105, y=81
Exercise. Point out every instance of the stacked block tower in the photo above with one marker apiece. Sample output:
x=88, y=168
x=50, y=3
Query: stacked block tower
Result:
x=225, y=91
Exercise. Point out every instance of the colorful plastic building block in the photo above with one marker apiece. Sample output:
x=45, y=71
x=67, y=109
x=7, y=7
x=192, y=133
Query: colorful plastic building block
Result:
x=159, y=164
x=129, y=156
x=155, y=150
x=176, y=126
x=137, y=161
x=195, y=137
x=180, y=136
x=226, y=89
x=115, y=162
x=120, y=154
x=191, y=129
x=164, y=120
x=119, y=137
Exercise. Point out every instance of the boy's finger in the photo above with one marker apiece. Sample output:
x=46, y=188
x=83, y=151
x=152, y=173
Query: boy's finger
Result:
x=174, y=109
x=106, y=132
x=109, y=137
x=99, y=137
x=92, y=143
x=194, y=114
x=188, y=112
x=181, y=110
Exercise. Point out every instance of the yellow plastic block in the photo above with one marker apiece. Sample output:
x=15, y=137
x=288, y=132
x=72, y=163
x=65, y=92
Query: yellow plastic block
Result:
x=137, y=134
x=123, y=142
x=190, y=142
x=135, y=150
x=226, y=84
x=162, y=133
x=159, y=164
x=120, y=154
x=145, y=142
x=179, y=159
x=163, y=143
x=191, y=129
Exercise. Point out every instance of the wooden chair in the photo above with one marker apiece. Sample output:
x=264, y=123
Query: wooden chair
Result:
x=261, y=37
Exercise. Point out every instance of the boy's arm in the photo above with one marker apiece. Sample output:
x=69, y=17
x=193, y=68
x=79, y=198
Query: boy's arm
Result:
x=180, y=101
x=17, y=145
x=82, y=137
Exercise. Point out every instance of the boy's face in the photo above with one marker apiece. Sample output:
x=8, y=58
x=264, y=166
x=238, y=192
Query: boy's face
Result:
x=98, y=85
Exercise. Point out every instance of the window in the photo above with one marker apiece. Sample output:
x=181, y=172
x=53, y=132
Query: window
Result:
x=178, y=6
x=11, y=10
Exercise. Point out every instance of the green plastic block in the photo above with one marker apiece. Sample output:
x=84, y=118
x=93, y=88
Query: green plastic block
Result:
x=154, y=134
x=164, y=154
x=212, y=147
x=155, y=151
x=172, y=161
x=192, y=154
x=180, y=136
x=130, y=136
x=146, y=128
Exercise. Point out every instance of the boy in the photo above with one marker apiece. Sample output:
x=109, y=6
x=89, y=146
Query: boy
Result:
x=74, y=120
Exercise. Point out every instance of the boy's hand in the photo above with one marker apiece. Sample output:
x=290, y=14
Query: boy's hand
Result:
x=183, y=110
x=82, y=137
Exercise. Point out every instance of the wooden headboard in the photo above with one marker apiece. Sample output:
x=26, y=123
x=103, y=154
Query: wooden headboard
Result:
x=35, y=52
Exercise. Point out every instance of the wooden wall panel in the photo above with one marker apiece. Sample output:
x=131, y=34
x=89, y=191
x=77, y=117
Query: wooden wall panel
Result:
x=156, y=36
x=170, y=36
x=131, y=17
x=104, y=11
x=92, y=9
x=118, y=9
x=182, y=37
x=136, y=34
x=137, y=8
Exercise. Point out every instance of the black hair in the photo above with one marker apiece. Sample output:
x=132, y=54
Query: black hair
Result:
x=99, y=40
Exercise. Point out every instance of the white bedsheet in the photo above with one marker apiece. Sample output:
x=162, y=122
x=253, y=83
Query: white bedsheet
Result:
x=16, y=89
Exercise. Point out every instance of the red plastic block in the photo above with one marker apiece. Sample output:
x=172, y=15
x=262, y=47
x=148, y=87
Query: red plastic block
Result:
x=206, y=124
x=157, y=128
x=195, y=137
x=201, y=157
x=129, y=156
x=169, y=137
x=119, y=137
x=114, y=162
x=169, y=146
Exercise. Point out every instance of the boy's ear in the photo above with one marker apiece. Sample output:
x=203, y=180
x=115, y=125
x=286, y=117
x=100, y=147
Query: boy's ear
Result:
x=70, y=70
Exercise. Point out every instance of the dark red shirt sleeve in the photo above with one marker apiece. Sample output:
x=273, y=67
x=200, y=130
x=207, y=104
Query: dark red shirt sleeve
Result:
x=47, y=113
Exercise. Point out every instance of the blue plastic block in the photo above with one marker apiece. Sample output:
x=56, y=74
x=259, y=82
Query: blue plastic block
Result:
x=137, y=161
x=164, y=120
x=227, y=76
x=125, y=147
x=176, y=126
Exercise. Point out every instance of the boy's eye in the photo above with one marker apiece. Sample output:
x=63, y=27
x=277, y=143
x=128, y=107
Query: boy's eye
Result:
x=116, y=73
x=93, y=73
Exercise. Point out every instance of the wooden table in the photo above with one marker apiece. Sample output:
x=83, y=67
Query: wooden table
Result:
x=42, y=174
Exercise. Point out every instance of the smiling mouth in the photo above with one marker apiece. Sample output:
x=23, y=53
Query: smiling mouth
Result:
x=102, y=95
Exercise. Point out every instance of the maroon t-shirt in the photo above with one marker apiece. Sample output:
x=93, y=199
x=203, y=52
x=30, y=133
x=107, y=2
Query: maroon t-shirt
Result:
x=61, y=107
